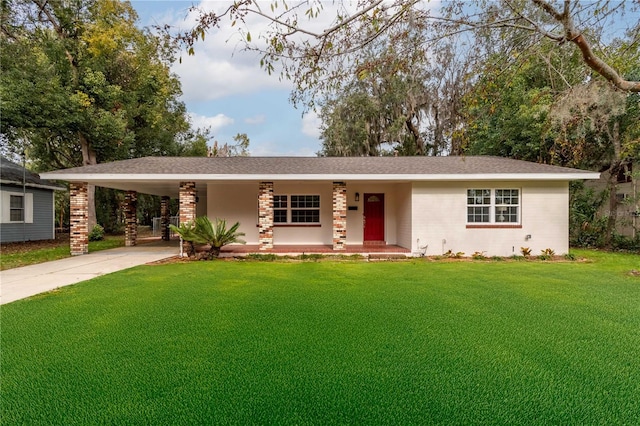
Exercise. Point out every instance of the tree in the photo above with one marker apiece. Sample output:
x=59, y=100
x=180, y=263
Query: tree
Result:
x=318, y=60
x=82, y=85
x=532, y=114
x=598, y=128
x=401, y=100
x=239, y=149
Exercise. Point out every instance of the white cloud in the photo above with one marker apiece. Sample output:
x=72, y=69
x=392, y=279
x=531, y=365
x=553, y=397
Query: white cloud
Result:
x=220, y=68
x=258, y=119
x=311, y=124
x=215, y=123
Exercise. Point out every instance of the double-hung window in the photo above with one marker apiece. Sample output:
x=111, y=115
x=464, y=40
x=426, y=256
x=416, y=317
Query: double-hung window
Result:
x=493, y=206
x=16, y=208
x=296, y=209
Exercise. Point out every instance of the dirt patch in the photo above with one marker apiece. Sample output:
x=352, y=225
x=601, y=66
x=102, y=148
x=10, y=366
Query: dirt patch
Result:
x=634, y=273
x=25, y=247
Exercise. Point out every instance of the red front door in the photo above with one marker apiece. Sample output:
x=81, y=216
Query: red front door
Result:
x=373, y=218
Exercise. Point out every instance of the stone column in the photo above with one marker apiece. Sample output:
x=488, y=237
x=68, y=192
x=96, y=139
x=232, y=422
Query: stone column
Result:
x=339, y=215
x=265, y=215
x=130, y=218
x=164, y=218
x=79, y=218
x=187, y=201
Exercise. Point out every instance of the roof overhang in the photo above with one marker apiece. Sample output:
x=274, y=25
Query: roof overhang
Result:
x=33, y=185
x=168, y=184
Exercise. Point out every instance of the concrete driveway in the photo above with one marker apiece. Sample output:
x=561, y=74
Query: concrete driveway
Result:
x=19, y=283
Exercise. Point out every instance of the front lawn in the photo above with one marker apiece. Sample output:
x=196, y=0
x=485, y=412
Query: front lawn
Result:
x=245, y=342
x=15, y=255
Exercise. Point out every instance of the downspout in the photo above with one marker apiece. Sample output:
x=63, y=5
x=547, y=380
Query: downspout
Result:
x=24, y=197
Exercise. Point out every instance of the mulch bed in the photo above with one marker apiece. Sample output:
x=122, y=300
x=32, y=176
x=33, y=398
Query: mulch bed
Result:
x=24, y=247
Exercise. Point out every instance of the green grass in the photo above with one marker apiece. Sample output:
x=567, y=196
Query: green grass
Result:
x=415, y=342
x=9, y=260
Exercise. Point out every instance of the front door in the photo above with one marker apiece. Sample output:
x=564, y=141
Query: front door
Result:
x=373, y=218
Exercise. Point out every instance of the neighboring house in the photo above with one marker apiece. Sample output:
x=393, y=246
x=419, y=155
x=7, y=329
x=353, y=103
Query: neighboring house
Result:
x=626, y=198
x=426, y=205
x=26, y=204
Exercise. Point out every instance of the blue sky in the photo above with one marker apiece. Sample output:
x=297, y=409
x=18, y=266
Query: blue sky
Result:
x=226, y=89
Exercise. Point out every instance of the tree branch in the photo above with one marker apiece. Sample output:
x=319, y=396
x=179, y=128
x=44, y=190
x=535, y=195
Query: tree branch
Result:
x=589, y=58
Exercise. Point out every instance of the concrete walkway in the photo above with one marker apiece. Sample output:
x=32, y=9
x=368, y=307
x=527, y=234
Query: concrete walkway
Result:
x=19, y=283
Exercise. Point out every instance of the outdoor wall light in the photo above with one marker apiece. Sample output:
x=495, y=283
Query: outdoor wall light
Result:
x=357, y=196
x=527, y=237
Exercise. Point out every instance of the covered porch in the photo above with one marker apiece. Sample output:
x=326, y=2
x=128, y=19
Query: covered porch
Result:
x=280, y=217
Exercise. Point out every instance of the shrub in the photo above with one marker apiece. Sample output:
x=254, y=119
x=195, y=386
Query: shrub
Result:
x=526, y=251
x=479, y=255
x=454, y=255
x=264, y=257
x=203, y=231
x=186, y=232
x=546, y=254
x=586, y=227
x=570, y=256
x=97, y=233
x=621, y=242
x=311, y=256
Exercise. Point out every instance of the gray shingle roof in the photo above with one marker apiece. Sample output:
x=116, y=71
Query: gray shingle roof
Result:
x=235, y=166
x=11, y=172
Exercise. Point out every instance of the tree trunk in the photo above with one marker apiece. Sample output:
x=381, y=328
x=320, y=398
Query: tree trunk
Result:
x=215, y=251
x=89, y=158
x=417, y=138
x=612, y=187
x=612, y=184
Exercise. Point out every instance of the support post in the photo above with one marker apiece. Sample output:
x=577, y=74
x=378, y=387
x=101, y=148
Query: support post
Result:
x=164, y=218
x=130, y=218
x=265, y=215
x=187, y=201
x=79, y=218
x=339, y=215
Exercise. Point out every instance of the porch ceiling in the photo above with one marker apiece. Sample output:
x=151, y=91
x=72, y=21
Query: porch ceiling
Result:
x=169, y=188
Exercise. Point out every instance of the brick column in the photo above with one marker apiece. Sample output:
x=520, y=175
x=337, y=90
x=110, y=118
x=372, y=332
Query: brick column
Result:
x=79, y=218
x=130, y=218
x=265, y=215
x=187, y=201
x=339, y=215
x=164, y=218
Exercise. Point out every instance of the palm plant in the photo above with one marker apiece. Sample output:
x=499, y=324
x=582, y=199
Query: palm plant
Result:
x=203, y=231
x=216, y=234
x=187, y=233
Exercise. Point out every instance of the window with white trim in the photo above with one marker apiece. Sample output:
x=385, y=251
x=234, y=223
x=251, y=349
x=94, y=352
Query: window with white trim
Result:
x=493, y=206
x=16, y=207
x=295, y=209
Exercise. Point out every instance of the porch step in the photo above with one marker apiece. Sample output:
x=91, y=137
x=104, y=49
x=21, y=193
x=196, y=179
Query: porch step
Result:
x=374, y=243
